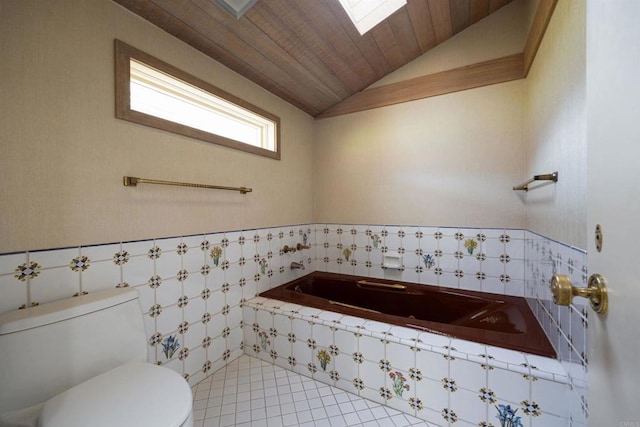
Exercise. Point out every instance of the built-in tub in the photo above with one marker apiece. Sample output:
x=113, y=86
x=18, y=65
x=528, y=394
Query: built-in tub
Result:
x=498, y=320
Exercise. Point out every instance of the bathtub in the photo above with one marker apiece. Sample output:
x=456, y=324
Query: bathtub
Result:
x=496, y=320
x=439, y=369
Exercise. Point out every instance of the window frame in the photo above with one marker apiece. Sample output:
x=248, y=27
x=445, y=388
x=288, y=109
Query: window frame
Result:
x=123, y=55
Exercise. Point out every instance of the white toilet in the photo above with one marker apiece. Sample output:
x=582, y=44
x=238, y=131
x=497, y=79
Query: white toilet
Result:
x=80, y=362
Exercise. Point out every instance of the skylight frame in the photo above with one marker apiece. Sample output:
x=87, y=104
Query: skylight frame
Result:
x=236, y=8
x=366, y=14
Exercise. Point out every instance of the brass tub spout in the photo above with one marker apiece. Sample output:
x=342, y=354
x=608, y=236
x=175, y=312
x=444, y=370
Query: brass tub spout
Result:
x=296, y=265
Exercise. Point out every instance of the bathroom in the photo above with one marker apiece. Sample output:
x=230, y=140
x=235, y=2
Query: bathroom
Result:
x=413, y=167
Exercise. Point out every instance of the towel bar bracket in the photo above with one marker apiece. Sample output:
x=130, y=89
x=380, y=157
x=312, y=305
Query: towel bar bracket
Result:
x=544, y=177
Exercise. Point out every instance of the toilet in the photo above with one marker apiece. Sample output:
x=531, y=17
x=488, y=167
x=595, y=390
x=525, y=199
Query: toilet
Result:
x=81, y=362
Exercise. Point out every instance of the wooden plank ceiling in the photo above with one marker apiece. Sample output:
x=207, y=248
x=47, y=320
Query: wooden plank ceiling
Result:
x=307, y=51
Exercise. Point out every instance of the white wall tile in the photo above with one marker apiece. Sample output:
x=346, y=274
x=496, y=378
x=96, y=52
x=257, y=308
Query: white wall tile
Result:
x=216, y=325
x=193, y=285
x=168, y=292
x=400, y=356
x=55, y=258
x=137, y=270
x=234, y=317
x=509, y=387
x=54, y=283
x=9, y=263
x=100, y=275
x=197, y=307
x=193, y=337
x=169, y=266
x=14, y=293
x=167, y=322
x=301, y=328
x=193, y=260
x=551, y=397
x=468, y=375
x=467, y=405
x=235, y=337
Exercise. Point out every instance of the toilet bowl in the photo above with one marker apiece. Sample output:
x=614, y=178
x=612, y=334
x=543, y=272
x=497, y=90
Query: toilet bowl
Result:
x=79, y=362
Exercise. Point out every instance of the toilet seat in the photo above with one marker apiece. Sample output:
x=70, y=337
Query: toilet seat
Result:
x=135, y=394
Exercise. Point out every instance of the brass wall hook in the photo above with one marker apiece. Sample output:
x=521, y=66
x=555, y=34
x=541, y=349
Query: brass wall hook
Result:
x=596, y=292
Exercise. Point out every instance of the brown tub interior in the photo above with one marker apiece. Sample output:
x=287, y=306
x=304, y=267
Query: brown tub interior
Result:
x=498, y=320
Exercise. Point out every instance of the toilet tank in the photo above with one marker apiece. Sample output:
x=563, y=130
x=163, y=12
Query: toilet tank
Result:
x=47, y=349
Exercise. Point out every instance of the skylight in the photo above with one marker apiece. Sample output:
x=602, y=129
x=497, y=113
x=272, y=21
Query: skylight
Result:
x=366, y=14
x=235, y=8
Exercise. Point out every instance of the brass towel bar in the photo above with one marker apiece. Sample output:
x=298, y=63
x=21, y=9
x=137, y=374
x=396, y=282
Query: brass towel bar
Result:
x=131, y=181
x=545, y=177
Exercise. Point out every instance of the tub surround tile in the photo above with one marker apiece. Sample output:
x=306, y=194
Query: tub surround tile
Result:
x=395, y=371
x=565, y=326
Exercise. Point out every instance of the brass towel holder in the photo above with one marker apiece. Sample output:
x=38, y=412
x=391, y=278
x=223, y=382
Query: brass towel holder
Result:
x=544, y=177
x=132, y=181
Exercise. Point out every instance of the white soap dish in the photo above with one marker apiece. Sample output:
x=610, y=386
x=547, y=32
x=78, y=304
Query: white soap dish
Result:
x=392, y=261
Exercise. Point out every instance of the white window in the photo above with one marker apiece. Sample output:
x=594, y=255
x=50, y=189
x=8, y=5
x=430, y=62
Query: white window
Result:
x=153, y=93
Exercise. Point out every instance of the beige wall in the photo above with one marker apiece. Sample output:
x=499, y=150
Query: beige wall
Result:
x=448, y=160
x=555, y=131
x=63, y=154
x=452, y=159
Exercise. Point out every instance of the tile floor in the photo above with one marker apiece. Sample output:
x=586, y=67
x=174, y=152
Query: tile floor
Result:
x=249, y=393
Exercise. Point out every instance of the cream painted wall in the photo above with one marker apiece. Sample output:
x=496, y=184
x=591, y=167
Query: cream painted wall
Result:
x=555, y=134
x=452, y=159
x=447, y=160
x=63, y=154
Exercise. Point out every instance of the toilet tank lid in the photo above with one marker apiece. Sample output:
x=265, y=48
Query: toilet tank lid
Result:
x=56, y=311
x=133, y=394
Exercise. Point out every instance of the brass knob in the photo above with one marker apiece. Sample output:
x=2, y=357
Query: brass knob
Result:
x=596, y=291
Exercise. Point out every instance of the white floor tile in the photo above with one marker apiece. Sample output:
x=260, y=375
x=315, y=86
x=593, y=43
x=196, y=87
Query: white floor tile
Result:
x=275, y=422
x=252, y=393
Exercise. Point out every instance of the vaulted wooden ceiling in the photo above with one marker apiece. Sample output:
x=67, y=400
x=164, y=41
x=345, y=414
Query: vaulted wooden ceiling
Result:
x=307, y=51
